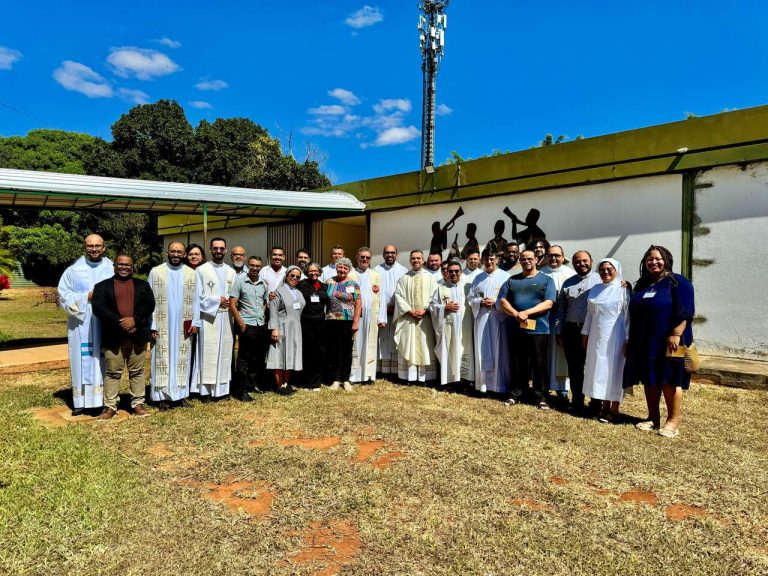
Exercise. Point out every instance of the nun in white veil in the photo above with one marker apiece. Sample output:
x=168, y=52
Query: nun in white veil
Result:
x=605, y=333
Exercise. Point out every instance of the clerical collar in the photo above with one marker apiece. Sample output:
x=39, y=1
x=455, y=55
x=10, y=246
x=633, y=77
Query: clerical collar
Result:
x=172, y=267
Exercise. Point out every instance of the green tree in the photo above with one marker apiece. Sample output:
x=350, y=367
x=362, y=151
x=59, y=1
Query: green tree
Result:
x=47, y=151
x=8, y=263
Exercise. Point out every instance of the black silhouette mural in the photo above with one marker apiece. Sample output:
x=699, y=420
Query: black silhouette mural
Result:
x=498, y=244
x=532, y=231
x=440, y=234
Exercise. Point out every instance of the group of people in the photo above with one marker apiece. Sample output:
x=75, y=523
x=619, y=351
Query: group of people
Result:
x=516, y=324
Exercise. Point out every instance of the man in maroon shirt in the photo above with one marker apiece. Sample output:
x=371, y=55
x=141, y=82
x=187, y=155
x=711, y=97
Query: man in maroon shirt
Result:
x=124, y=304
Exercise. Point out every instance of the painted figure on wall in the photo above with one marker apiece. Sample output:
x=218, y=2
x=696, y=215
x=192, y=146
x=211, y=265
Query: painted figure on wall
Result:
x=440, y=234
x=531, y=221
x=498, y=244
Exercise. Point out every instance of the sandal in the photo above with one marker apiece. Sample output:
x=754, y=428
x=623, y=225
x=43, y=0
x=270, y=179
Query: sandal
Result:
x=646, y=426
x=667, y=433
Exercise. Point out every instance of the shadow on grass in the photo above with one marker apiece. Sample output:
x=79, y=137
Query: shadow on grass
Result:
x=31, y=342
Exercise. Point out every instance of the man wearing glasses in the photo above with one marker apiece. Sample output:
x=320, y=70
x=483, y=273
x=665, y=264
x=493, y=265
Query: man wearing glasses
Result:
x=364, y=352
x=527, y=297
x=390, y=271
x=558, y=367
x=125, y=305
x=213, y=284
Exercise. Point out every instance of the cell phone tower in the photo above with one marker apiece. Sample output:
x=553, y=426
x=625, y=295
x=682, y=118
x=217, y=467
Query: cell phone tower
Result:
x=432, y=25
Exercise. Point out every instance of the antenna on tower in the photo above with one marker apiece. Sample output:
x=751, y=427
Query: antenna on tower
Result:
x=432, y=25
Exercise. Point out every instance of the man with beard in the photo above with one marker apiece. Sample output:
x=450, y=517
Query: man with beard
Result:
x=390, y=271
x=86, y=363
x=414, y=334
x=173, y=285
x=273, y=274
x=302, y=261
x=452, y=322
x=492, y=367
x=571, y=313
x=434, y=261
x=472, y=268
x=237, y=255
x=125, y=305
x=213, y=283
x=511, y=263
x=364, y=354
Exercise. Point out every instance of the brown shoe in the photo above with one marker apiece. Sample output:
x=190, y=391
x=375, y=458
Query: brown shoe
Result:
x=140, y=411
x=106, y=414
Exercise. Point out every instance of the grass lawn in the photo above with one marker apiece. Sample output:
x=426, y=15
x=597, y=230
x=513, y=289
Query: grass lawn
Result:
x=387, y=480
x=30, y=315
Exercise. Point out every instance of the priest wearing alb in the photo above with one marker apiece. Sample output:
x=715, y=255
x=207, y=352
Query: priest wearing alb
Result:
x=492, y=364
x=414, y=334
x=364, y=350
x=213, y=284
x=86, y=362
x=173, y=285
x=452, y=320
x=390, y=271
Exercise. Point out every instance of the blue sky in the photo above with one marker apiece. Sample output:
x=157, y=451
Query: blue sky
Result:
x=345, y=77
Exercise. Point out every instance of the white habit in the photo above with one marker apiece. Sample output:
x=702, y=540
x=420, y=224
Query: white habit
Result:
x=175, y=303
x=453, y=333
x=415, y=339
x=215, y=339
x=492, y=370
x=558, y=366
x=364, y=350
x=390, y=276
x=86, y=361
x=607, y=324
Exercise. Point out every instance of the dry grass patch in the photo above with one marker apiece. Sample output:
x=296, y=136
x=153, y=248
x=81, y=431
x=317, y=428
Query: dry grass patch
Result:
x=472, y=487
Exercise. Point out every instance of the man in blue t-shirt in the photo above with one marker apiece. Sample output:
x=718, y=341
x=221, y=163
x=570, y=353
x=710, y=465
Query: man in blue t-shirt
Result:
x=527, y=298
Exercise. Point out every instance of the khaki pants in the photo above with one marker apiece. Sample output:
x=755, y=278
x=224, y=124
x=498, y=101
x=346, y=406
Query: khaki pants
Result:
x=131, y=355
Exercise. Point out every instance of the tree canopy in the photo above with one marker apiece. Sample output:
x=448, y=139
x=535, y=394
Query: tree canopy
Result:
x=149, y=142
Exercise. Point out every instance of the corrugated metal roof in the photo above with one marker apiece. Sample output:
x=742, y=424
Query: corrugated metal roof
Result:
x=49, y=190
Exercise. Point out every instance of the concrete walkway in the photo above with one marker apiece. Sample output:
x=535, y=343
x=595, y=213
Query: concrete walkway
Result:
x=751, y=374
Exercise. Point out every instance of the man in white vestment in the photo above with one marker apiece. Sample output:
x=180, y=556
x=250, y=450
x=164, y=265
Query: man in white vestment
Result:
x=329, y=271
x=453, y=320
x=390, y=271
x=414, y=334
x=558, y=367
x=492, y=364
x=364, y=350
x=213, y=284
x=86, y=362
x=434, y=261
x=173, y=285
x=273, y=274
x=472, y=267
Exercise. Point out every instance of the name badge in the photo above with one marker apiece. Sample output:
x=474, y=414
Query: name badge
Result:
x=314, y=298
x=350, y=289
x=650, y=294
x=296, y=306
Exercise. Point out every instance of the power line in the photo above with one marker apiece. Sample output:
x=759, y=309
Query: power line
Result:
x=35, y=118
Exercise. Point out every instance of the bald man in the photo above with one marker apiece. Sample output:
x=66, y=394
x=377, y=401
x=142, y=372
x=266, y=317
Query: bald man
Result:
x=86, y=362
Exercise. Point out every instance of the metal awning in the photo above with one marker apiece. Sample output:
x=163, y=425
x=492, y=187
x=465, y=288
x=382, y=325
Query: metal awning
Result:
x=54, y=191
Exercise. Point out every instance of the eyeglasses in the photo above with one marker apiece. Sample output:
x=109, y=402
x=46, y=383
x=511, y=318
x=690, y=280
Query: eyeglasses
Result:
x=454, y=271
x=123, y=265
x=294, y=276
x=364, y=257
x=605, y=270
x=554, y=255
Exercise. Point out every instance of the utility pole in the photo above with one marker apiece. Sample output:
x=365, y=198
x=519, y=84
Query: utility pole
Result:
x=432, y=25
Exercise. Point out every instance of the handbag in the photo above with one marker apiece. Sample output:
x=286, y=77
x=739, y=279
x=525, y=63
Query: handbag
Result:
x=691, y=360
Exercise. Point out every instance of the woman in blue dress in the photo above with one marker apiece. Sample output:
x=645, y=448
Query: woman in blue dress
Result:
x=660, y=312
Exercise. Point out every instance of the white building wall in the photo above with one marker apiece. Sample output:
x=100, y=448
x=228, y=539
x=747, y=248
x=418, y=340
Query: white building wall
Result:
x=730, y=253
x=617, y=219
x=254, y=240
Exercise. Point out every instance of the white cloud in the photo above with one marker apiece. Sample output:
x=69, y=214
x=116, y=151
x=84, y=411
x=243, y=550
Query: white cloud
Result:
x=8, y=57
x=213, y=85
x=141, y=63
x=401, y=104
x=443, y=110
x=366, y=16
x=165, y=41
x=397, y=135
x=80, y=78
x=201, y=105
x=344, y=96
x=328, y=110
x=135, y=96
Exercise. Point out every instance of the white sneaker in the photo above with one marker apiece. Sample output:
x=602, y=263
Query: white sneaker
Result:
x=347, y=387
x=335, y=386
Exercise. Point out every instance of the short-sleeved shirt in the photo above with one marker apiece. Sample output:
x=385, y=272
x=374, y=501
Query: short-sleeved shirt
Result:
x=251, y=297
x=342, y=297
x=524, y=292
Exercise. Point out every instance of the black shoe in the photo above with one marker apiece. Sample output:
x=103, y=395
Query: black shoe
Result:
x=163, y=405
x=242, y=396
x=257, y=390
x=285, y=391
x=78, y=411
x=206, y=399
